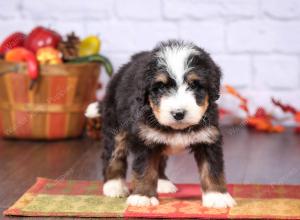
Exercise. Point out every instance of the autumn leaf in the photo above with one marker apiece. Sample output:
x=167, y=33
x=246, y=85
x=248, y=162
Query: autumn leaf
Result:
x=284, y=108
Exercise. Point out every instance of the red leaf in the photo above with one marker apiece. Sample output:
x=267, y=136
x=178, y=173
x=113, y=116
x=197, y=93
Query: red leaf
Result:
x=297, y=117
x=223, y=111
x=261, y=113
x=284, y=108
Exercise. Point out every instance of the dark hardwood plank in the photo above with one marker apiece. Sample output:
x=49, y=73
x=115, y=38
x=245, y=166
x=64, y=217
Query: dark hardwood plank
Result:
x=262, y=158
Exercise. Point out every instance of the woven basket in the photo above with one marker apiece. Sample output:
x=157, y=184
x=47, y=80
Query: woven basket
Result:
x=54, y=108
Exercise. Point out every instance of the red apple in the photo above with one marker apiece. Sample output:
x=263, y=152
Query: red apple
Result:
x=42, y=37
x=12, y=41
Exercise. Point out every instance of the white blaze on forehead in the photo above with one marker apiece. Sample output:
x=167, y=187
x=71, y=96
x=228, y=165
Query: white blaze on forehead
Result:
x=184, y=96
x=175, y=58
x=181, y=98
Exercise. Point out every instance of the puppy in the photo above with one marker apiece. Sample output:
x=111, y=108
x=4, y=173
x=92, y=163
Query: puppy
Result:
x=163, y=102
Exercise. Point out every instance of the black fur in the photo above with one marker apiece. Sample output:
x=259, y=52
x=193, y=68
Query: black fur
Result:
x=126, y=105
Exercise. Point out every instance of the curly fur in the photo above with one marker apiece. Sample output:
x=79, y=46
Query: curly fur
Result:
x=132, y=101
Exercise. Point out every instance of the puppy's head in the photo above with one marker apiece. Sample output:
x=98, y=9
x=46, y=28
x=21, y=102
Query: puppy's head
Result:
x=184, y=80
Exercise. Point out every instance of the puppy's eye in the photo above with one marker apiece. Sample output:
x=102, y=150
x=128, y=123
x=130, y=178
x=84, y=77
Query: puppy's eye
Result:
x=158, y=86
x=195, y=84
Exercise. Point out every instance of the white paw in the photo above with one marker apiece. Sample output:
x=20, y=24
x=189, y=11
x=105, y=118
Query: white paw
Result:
x=115, y=188
x=138, y=200
x=217, y=200
x=165, y=186
x=92, y=111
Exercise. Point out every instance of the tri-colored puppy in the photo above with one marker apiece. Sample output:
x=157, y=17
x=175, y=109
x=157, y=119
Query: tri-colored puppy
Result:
x=162, y=102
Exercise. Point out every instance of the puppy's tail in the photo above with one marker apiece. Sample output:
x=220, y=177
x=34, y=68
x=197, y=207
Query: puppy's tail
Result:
x=93, y=110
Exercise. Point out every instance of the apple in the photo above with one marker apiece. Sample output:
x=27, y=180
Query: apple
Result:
x=14, y=40
x=42, y=37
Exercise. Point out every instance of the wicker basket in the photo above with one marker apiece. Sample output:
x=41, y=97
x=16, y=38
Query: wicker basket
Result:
x=54, y=108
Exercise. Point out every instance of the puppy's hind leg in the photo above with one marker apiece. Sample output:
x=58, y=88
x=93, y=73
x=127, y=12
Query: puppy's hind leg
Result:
x=115, y=165
x=164, y=185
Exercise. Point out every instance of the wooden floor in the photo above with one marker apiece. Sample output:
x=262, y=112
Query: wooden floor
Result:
x=250, y=157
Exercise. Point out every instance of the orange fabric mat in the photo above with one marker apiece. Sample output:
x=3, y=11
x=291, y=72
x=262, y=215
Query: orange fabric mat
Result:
x=84, y=199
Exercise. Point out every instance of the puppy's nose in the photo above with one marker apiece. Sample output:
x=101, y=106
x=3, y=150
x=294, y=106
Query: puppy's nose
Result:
x=178, y=114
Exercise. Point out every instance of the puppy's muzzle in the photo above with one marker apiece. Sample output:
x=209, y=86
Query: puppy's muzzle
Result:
x=178, y=114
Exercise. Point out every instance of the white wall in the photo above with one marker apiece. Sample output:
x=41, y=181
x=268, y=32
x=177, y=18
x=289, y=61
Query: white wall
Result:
x=256, y=42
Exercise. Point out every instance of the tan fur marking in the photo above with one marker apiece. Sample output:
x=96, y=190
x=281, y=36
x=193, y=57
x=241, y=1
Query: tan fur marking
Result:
x=210, y=184
x=120, y=145
x=155, y=109
x=146, y=183
x=118, y=162
x=161, y=77
x=134, y=180
x=204, y=106
x=192, y=76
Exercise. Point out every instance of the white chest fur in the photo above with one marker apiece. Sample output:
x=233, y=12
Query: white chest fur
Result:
x=174, y=149
x=177, y=142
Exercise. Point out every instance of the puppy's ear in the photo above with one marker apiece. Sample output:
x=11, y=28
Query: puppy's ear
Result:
x=215, y=80
x=213, y=72
x=142, y=91
x=143, y=84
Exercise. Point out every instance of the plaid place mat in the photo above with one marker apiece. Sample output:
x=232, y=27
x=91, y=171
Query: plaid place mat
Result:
x=84, y=199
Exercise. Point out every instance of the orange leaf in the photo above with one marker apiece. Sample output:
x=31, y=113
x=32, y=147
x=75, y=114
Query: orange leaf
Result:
x=278, y=128
x=235, y=93
x=244, y=101
x=297, y=117
x=263, y=124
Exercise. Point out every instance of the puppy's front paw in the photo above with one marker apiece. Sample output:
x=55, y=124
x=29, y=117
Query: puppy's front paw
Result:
x=139, y=200
x=165, y=186
x=217, y=200
x=115, y=188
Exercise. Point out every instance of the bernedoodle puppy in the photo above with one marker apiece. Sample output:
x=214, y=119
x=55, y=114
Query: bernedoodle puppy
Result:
x=163, y=102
